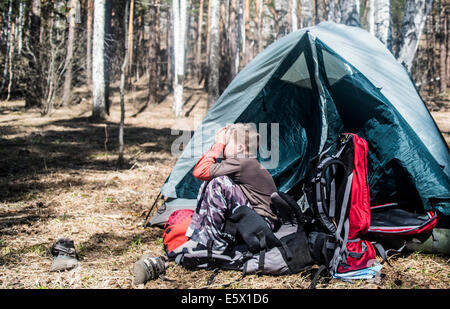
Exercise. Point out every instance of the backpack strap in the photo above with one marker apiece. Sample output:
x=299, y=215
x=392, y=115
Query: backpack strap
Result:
x=321, y=184
x=434, y=248
x=262, y=254
x=341, y=252
x=316, y=277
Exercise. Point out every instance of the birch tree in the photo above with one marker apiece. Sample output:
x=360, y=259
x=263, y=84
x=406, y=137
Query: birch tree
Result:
x=8, y=46
x=293, y=14
x=414, y=18
x=380, y=21
x=349, y=12
x=33, y=94
x=332, y=14
x=306, y=12
x=99, y=63
x=90, y=16
x=213, y=76
x=179, y=10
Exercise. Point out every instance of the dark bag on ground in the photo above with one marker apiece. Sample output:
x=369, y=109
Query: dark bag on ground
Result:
x=257, y=249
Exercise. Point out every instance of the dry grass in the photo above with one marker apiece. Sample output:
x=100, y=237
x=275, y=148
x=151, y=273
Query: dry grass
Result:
x=58, y=177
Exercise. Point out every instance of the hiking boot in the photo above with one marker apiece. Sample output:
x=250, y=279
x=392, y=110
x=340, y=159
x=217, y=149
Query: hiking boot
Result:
x=64, y=255
x=148, y=268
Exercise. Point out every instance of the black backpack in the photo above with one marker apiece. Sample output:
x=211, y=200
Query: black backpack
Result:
x=257, y=249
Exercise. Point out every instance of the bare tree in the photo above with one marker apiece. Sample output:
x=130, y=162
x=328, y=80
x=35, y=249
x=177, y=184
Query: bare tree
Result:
x=306, y=13
x=380, y=21
x=199, y=41
x=416, y=12
x=33, y=95
x=7, y=65
x=67, y=92
x=99, y=63
x=293, y=15
x=179, y=10
x=214, y=38
x=349, y=11
x=443, y=53
x=90, y=16
x=122, y=85
x=153, y=52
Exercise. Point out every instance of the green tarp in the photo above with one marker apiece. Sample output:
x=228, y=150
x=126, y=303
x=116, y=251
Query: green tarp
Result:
x=308, y=87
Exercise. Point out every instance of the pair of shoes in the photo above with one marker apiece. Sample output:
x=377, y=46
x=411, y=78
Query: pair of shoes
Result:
x=148, y=268
x=64, y=255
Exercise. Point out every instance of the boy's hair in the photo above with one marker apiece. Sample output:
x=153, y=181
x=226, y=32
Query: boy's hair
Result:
x=246, y=134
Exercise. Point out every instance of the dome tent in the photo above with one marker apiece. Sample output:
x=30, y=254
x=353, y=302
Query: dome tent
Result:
x=314, y=84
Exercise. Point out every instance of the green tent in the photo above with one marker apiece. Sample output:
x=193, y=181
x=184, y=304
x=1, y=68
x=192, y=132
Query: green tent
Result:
x=308, y=87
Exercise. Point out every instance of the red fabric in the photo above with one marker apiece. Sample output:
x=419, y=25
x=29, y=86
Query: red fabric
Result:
x=201, y=169
x=175, y=229
x=359, y=215
x=361, y=262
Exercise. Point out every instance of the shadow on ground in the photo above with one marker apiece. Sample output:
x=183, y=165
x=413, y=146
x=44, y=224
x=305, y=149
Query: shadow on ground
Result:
x=73, y=144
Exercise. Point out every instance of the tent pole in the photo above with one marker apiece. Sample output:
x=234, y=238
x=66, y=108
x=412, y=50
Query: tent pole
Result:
x=150, y=210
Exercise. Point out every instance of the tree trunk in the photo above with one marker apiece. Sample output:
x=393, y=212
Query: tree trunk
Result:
x=20, y=26
x=8, y=47
x=307, y=12
x=179, y=10
x=349, y=11
x=293, y=14
x=90, y=15
x=414, y=18
x=34, y=85
x=234, y=39
x=99, y=63
x=67, y=92
x=153, y=52
x=382, y=28
x=169, y=48
x=213, y=76
x=122, y=86
x=245, y=24
x=447, y=13
x=198, y=56
x=259, y=14
x=130, y=35
x=443, y=49
x=208, y=26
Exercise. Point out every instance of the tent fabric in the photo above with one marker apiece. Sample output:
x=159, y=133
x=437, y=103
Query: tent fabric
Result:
x=308, y=87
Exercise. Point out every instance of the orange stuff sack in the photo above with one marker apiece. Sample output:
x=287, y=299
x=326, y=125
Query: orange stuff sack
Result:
x=175, y=229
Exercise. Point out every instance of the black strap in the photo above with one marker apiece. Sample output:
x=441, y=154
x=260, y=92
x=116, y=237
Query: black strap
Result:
x=212, y=277
x=262, y=254
x=316, y=277
x=384, y=253
x=209, y=245
x=434, y=248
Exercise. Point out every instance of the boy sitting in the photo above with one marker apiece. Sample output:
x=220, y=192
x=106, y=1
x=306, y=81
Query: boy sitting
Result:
x=235, y=190
x=239, y=180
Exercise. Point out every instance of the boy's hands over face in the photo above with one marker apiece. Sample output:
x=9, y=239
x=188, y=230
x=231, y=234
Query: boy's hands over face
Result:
x=222, y=136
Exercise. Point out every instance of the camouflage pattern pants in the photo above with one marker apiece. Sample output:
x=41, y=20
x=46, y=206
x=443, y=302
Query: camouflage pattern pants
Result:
x=217, y=199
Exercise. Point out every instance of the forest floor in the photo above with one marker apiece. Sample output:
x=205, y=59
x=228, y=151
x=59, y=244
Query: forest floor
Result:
x=58, y=178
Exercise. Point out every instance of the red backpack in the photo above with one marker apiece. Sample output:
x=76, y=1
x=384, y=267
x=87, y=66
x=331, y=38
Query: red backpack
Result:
x=337, y=192
x=347, y=227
